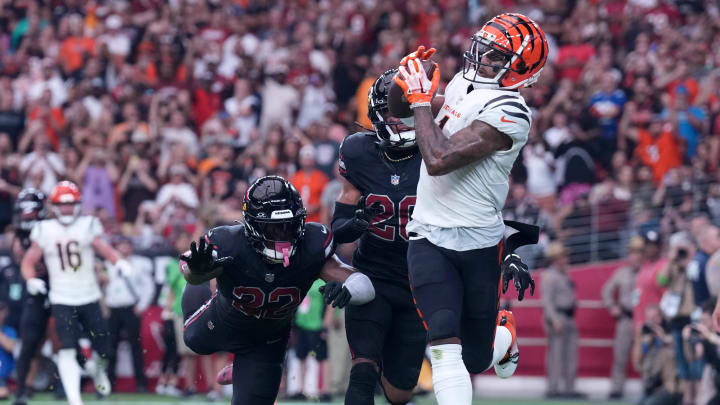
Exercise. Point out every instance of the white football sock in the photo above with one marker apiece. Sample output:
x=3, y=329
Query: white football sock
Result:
x=451, y=380
x=69, y=370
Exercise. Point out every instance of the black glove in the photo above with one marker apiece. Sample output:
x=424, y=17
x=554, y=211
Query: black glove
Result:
x=365, y=214
x=335, y=293
x=514, y=269
x=201, y=260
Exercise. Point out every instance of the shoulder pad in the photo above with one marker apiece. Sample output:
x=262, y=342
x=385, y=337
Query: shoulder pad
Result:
x=221, y=234
x=319, y=238
x=352, y=150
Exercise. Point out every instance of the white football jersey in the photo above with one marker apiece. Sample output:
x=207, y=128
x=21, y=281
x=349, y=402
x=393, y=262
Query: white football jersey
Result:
x=472, y=196
x=70, y=259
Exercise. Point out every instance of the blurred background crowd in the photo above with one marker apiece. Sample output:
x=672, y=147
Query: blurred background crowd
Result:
x=163, y=111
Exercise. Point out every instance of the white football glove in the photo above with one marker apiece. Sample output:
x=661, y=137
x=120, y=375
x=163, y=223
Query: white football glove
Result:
x=125, y=268
x=36, y=286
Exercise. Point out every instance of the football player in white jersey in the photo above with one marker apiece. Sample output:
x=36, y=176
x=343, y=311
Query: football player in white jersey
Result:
x=68, y=243
x=456, y=253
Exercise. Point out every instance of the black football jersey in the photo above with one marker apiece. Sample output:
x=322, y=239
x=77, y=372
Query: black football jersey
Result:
x=261, y=297
x=382, y=250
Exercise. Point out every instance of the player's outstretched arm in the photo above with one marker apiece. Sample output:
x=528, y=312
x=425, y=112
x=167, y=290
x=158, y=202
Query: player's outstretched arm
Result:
x=107, y=252
x=443, y=155
x=345, y=286
x=351, y=217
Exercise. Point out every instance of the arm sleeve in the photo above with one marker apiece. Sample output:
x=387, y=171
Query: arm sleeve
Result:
x=343, y=223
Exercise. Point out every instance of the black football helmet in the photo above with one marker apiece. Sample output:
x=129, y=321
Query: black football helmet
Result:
x=274, y=218
x=29, y=208
x=392, y=132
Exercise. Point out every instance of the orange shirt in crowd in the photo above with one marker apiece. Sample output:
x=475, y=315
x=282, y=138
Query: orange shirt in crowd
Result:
x=72, y=51
x=660, y=154
x=54, y=120
x=310, y=186
x=361, y=101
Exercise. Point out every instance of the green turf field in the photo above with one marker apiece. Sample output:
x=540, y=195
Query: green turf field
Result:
x=137, y=399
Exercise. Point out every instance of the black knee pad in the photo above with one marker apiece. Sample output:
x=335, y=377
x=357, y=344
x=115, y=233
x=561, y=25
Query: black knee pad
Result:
x=443, y=324
x=361, y=389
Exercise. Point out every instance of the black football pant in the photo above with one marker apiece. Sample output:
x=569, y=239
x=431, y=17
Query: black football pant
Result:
x=74, y=322
x=124, y=319
x=388, y=331
x=457, y=295
x=171, y=358
x=257, y=366
x=33, y=325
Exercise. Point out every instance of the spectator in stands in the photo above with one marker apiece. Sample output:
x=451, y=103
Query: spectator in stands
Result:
x=310, y=182
x=677, y=305
x=128, y=297
x=647, y=290
x=657, y=146
x=708, y=242
x=310, y=340
x=702, y=341
x=617, y=295
x=8, y=341
x=559, y=305
x=654, y=356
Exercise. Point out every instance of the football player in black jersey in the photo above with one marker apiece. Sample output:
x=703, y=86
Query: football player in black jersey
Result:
x=380, y=172
x=30, y=208
x=264, y=267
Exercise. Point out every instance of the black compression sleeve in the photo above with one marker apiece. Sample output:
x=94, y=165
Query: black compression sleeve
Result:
x=344, y=225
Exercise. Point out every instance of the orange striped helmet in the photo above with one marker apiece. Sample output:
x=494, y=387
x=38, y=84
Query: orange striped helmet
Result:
x=511, y=38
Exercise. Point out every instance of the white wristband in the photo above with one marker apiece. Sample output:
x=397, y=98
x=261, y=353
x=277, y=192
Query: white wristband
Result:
x=416, y=105
x=360, y=287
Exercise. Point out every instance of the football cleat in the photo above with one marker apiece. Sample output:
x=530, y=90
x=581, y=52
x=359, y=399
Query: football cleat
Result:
x=99, y=377
x=224, y=377
x=507, y=365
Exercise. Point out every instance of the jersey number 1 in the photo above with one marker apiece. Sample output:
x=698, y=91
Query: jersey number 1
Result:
x=70, y=255
x=404, y=210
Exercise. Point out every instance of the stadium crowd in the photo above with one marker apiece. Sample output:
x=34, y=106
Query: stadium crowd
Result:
x=163, y=111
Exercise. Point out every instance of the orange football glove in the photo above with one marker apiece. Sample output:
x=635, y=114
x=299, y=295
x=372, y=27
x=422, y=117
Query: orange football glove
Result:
x=418, y=89
x=420, y=53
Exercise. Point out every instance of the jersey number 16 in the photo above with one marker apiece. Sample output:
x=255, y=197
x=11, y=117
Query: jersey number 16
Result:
x=69, y=255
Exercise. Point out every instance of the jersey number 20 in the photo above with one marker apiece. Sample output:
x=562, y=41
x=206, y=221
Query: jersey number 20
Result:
x=403, y=210
x=69, y=255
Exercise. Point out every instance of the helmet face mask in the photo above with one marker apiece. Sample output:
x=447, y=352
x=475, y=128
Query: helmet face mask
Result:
x=392, y=132
x=274, y=218
x=66, y=213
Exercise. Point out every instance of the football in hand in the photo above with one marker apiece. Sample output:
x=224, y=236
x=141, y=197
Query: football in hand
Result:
x=397, y=103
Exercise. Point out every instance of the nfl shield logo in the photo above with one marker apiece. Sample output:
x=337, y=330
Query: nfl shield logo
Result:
x=394, y=179
x=269, y=277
